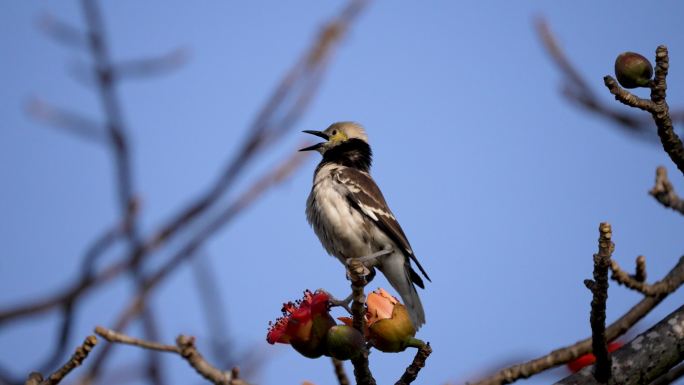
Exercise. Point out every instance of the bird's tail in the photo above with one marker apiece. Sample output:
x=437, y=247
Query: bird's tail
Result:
x=397, y=273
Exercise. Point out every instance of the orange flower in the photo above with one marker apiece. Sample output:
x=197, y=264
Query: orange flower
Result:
x=389, y=326
x=304, y=324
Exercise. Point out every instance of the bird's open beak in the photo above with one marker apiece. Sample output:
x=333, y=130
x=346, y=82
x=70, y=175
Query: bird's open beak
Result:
x=316, y=146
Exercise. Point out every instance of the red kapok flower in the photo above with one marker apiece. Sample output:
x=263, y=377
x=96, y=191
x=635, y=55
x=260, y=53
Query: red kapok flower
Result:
x=304, y=324
x=589, y=359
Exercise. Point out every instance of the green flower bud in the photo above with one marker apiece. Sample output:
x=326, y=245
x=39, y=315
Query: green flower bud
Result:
x=343, y=342
x=633, y=70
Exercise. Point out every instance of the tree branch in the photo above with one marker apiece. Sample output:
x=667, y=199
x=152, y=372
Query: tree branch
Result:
x=645, y=358
x=185, y=347
x=657, y=106
x=599, y=289
x=340, y=374
x=623, y=278
x=76, y=359
x=566, y=354
x=418, y=363
x=71, y=122
x=577, y=90
x=664, y=193
x=640, y=274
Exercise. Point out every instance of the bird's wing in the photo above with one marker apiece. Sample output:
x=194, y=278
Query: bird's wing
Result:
x=366, y=197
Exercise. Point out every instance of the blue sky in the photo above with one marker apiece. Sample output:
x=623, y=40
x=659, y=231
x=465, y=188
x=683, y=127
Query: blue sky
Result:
x=497, y=180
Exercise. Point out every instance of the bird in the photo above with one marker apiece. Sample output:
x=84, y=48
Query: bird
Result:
x=351, y=218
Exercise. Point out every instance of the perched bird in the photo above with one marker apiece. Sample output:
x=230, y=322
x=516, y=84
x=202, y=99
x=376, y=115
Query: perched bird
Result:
x=351, y=218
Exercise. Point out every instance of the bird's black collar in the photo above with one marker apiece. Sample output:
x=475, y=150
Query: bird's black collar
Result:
x=353, y=153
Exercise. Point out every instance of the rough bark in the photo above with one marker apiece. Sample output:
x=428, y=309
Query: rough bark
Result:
x=645, y=358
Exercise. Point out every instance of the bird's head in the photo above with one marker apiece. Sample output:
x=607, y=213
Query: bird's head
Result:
x=337, y=134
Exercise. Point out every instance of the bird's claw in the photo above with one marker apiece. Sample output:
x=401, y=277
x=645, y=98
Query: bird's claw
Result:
x=356, y=267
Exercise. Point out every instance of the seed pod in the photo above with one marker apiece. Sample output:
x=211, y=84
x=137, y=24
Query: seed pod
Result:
x=633, y=70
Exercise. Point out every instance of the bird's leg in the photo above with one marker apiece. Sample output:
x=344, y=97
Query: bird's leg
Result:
x=357, y=267
x=372, y=257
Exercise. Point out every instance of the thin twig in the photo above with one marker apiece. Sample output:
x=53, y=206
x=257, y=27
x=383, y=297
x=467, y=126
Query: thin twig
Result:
x=185, y=347
x=209, y=297
x=76, y=359
x=68, y=121
x=623, y=278
x=566, y=354
x=112, y=108
x=664, y=192
x=113, y=336
x=599, y=290
x=151, y=66
x=62, y=32
x=34, y=378
x=103, y=69
x=640, y=271
x=340, y=374
x=657, y=106
x=418, y=363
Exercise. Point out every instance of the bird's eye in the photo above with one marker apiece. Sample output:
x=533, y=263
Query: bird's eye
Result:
x=334, y=132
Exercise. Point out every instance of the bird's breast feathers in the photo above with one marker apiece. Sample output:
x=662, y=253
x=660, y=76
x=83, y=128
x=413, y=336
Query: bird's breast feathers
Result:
x=343, y=230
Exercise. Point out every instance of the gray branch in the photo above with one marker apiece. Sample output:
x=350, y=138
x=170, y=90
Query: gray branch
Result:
x=645, y=358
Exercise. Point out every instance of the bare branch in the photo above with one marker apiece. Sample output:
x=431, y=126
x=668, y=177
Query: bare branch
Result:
x=646, y=357
x=153, y=66
x=113, y=336
x=77, y=289
x=657, y=289
x=340, y=374
x=68, y=121
x=599, y=289
x=112, y=108
x=62, y=32
x=640, y=274
x=76, y=360
x=34, y=378
x=185, y=347
x=566, y=354
x=213, y=307
x=657, y=106
x=418, y=363
x=665, y=193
